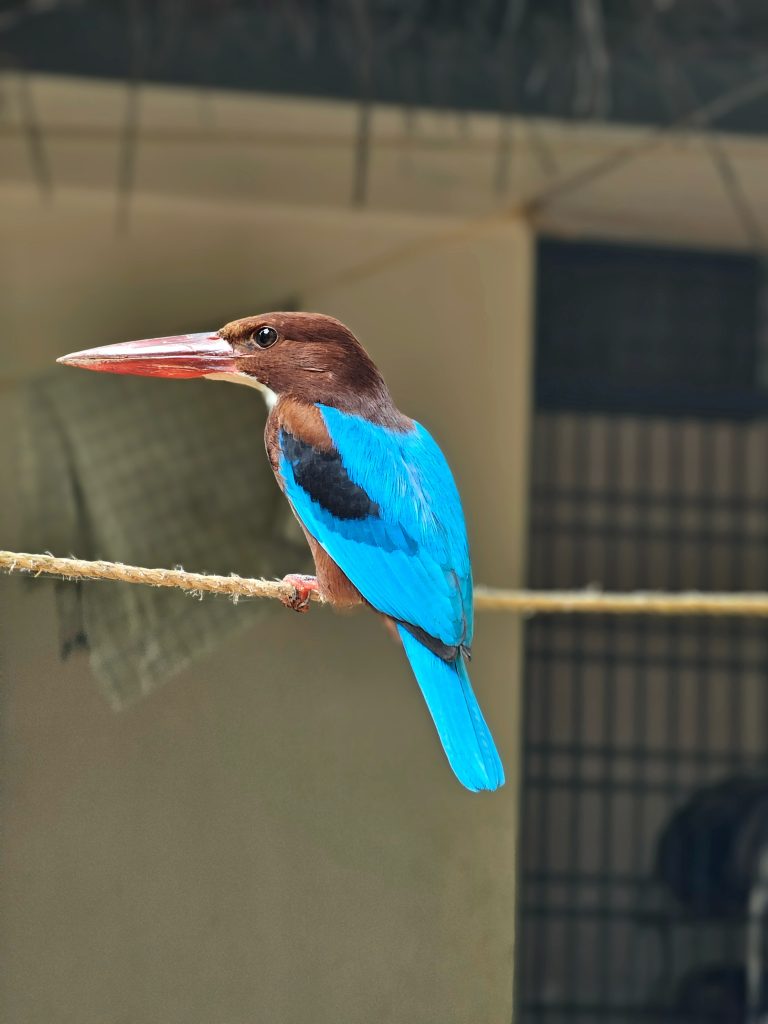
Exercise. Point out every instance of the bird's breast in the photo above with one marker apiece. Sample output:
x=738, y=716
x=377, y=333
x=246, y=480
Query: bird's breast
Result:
x=301, y=421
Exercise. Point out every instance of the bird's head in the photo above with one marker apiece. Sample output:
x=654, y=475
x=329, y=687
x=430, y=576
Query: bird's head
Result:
x=307, y=355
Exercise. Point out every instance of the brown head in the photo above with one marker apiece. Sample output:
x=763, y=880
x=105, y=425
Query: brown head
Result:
x=309, y=356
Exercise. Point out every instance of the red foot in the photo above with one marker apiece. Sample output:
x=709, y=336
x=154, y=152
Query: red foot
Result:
x=303, y=587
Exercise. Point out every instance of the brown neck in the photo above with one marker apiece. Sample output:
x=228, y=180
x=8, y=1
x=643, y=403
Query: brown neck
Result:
x=352, y=385
x=372, y=404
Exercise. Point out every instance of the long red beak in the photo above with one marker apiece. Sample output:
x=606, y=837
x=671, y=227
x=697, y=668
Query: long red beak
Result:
x=182, y=355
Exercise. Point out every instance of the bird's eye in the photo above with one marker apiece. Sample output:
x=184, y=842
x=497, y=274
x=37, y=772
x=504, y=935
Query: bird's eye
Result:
x=265, y=336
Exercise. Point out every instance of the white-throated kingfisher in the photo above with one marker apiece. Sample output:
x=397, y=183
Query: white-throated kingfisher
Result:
x=370, y=488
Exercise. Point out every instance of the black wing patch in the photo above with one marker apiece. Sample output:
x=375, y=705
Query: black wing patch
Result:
x=324, y=478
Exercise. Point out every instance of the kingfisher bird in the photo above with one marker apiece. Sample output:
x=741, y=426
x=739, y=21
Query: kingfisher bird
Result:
x=370, y=487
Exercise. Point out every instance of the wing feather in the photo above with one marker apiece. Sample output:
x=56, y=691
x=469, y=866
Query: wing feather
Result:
x=390, y=516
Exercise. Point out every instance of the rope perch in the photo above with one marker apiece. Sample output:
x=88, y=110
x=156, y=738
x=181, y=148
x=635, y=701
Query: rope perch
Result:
x=195, y=582
x=522, y=602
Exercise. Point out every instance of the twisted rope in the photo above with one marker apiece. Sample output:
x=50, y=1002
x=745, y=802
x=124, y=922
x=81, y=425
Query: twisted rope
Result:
x=195, y=582
x=522, y=602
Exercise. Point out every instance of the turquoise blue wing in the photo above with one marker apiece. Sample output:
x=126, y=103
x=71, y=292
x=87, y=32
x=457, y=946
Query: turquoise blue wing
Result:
x=385, y=507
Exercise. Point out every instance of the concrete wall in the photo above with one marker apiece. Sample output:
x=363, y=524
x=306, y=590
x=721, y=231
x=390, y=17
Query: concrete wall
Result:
x=666, y=188
x=274, y=836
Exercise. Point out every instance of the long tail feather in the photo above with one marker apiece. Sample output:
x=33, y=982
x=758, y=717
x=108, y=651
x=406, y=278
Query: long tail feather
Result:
x=460, y=725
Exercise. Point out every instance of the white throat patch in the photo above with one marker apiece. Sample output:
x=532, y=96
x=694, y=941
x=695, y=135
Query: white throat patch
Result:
x=250, y=382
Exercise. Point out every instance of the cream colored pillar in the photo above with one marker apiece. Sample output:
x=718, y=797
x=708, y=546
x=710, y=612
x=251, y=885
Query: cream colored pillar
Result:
x=275, y=835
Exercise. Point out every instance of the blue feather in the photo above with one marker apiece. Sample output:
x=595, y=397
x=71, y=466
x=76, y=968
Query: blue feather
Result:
x=412, y=560
x=465, y=737
x=406, y=551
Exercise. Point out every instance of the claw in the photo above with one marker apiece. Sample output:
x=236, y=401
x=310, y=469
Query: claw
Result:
x=303, y=588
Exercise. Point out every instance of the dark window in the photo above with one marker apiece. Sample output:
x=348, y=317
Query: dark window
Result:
x=635, y=329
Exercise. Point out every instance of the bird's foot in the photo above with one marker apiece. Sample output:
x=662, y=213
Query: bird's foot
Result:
x=303, y=588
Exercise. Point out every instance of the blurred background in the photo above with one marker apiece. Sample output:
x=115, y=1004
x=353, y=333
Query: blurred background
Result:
x=546, y=221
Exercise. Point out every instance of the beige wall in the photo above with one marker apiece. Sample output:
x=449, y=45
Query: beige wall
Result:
x=301, y=153
x=274, y=836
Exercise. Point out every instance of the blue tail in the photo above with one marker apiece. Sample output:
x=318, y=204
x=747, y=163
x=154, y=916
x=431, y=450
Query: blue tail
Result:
x=460, y=724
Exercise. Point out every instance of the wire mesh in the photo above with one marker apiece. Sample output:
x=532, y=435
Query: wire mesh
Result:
x=626, y=720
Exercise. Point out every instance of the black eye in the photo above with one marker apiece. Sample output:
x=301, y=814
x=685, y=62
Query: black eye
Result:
x=265, y=336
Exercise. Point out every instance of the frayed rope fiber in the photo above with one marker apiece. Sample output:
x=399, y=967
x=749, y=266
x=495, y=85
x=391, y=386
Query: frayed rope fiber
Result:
x=523, y=602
